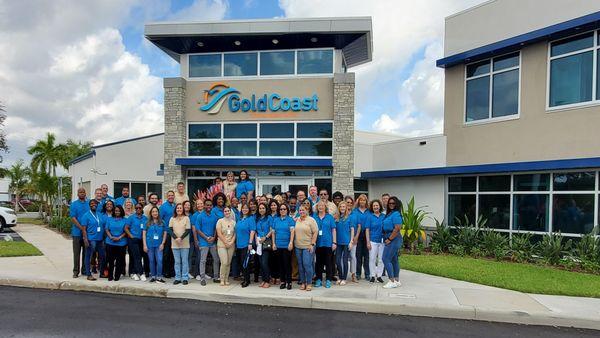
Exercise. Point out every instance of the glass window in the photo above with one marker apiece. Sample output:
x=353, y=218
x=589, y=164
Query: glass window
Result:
x=314, y=148
x=494, y=183
x=239, y=148
x=573, y=213
x=462, y=184
x=239, y=130
x=277, y=130
x=315, y=130
x=324, y=183
x=277, y=63
x=574, y=181
x=532, y=182
x=506, y=61
x=198, y=184
x=118, y=188
x=138, y=189
x=206, y=65
x=571, y=79
x=240, y=64
x=479, y=68
x=277, y=148
x=505, y=93
x=598, y=74
x=478, y=99
x=459, y=206
x=202, y=131
x=496, y=210
x=361, y=185
x=530, y=212
x=315, y=61
x=572, y=44
x=204, y=148
x=155, y=188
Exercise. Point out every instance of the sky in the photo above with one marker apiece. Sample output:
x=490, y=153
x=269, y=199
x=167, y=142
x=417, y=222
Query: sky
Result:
x=82, y=69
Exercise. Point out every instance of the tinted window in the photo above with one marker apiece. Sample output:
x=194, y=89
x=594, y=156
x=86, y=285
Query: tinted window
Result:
x=276, y=63
x=204, y=148
x=496, y=210
x=479, y=68
x=239, y=148
x=239, y=130
x=277, y=130
x=478, y=99
x=314, y=148
x=573, y=213
x=241, y=64
x=315, y=61
x=571, y=79
x=530, y=212
x=494, y=183
x=277, y=148
x=505, y=95
x=200, y=131
x=205, y=65
x=459, y=206
x=572, y=44
x=462, y=184
x=532, y=182
x=361, y=185
x=315, y=130
x=574, y=181
x=507, y=61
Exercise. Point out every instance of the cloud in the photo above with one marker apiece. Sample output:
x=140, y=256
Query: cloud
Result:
x=201, y=10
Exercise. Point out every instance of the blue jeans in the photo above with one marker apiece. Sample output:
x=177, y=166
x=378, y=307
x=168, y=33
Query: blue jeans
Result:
x=95, y=246
x=155, y=256
x=342, y=254
x=305, y=265
x=390, y=258
x=181, y=263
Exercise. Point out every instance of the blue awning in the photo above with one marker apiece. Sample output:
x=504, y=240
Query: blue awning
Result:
x=254, y=162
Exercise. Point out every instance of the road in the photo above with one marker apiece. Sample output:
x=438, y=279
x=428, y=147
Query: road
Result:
x=43, y=313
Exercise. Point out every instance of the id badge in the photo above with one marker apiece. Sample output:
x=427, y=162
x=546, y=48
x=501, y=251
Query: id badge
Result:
x=156, y=237
x=98, y=229
x=320, y=232
x=142, y=226
x=228, y=232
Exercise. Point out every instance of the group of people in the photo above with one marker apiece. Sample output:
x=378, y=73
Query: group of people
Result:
x=274, y=236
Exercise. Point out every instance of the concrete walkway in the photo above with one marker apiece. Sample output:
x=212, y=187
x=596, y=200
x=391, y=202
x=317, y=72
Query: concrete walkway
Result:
x=420, y=294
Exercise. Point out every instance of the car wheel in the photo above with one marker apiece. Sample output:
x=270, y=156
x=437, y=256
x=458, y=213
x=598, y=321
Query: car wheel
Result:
x=2, y=224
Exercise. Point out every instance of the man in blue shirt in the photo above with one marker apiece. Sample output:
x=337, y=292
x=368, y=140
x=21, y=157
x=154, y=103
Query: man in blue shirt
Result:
x=124, y=197
x=105, y=195
x=205, y=232
x=78, y=208
x=166, y=213
x=93, y=238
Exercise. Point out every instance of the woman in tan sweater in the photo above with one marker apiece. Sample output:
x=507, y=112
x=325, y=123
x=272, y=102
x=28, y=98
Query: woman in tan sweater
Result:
x=306, y=232
x=226, y=243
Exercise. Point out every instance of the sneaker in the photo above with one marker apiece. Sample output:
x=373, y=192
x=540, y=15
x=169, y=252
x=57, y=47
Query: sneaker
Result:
x=152, y=280
x=215, y=280
x=372, y=280
x=75, y=275
x=343, y=282
x=136, y=278
x=161, y=281
x=390, y=285
x=143, y=278
x=198, y=278
x=318, y=283
x=132, y=276
x=398, y=284
x=327, y=284
x=90, y=277
x=208, y=277
x=185, y=282
x=380, y=280
x=175, y=282
x=203, y=282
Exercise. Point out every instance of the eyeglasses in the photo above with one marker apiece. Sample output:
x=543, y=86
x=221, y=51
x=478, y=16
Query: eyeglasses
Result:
x=138, y=207
x=391, y=203
x=323, y=194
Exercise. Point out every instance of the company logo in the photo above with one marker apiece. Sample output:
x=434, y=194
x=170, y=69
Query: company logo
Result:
x=219, y=93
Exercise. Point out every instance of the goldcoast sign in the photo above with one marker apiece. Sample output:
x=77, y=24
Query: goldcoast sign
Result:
x=219, y=93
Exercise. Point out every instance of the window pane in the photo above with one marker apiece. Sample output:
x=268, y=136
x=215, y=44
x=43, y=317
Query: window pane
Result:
x=314, y=148
x=479, y=68
x=459, y=206
x=276, y=63
x=155, y=188
x=530, y=212
x=277, y=130
x=277, y=148
x=118, y=188
x=462, y=184
x=315, y=130
x=494, y=183
x=478, y=99
x=324, y=183
x=204, y=148
x=532, y=182
x=241, y=64
x=496, y=210
x=505, y=95
x=239, y=148
x=574, y=181
x=507, y=61
x=598, y=75
x=361, y=185
x=204, y=131
x=572, y=44
x=198, y=185
x=315, y=61
x=571, y=79
x=138, y=189
x=239, y=130
x=205, y=65
x=573, y=213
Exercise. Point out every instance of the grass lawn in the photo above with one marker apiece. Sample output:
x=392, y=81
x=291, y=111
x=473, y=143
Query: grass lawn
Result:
x=36, y=221
x=16, y=249
x=514, y=276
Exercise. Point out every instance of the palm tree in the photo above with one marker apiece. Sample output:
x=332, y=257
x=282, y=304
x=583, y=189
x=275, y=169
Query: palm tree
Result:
x=45, y=186
x=47, y=155
x=75, y=149
x=19, y=176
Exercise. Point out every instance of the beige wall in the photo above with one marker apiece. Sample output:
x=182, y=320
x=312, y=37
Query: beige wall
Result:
x=535, y=135
x=304, y=87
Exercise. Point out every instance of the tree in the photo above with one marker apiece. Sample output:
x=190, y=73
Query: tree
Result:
x=47, y=155
x=75, y=149
x=3, y=145
x=46, y=187
x=19, y=175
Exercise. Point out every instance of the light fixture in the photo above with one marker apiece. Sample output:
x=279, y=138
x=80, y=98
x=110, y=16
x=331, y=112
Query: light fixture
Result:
x=200, y=44
x=237, y=42
x=314, y=39
x=275, y=41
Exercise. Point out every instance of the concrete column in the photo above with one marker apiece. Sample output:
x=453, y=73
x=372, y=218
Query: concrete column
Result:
x=343, y=133
x=174, y=131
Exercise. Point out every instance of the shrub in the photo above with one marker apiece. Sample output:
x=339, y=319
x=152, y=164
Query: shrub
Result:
x=493, y=243
x=412, y=229
x=476, y=252
x=467, y=234
x=551, y=249
x=62, y=224
x=436, y=248
x=521, y=248
x=457, y=250
x=442, y=237
x=587, y=248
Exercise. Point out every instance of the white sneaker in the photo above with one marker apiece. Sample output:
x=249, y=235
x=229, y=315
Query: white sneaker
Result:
x=343, y=282
x=398, y=284
x=390, y=285
x=208, y=277
x=198, y=278
x=136, y=277
x=143, y=278
x=132, y=276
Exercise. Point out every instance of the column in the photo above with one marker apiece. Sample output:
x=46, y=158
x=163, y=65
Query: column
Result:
x=174, y=131
x=343, y=135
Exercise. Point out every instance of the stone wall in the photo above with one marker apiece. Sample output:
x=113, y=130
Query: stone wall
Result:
x=174, y=131
x=343, y=133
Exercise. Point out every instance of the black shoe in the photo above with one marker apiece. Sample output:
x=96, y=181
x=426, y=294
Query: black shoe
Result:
x=75, y=275
x=216, y=280
x=203, y=282
x=372, y=280
x=117, y=278
x=160, y=280
x=110, y=279
x=289, y=286
x=176, y=282
x=185, y=282
x=282, y=286
x=152, y=280
x=379, y=279
x=299, y=283
x=245, y=285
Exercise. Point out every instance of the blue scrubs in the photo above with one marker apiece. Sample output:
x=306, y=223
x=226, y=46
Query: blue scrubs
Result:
x=283, y=230
x=136, y=225
x=78, y=209
x=375, y=226
x=116, y=227
x=263, y=226
x=243, y=187
x=207, y=224
x=93, y=225
x=243, y=227
x=343, y=226
x=326, y=226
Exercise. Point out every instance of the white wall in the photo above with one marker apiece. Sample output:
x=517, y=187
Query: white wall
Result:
x=410, y=154
x=363, y=158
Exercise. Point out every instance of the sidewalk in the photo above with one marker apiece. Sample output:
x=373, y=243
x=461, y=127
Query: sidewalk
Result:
x=420, y=294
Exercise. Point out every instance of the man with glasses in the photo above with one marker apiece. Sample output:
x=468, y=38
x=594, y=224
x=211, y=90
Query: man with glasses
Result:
x=331, y=207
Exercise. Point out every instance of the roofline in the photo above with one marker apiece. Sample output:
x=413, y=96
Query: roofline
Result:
x=127, y=140
x=82, y=157
x=325, y=18
x=466, y=10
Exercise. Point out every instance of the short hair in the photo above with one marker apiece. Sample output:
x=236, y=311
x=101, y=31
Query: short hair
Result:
x=124, y=188
x=385, y=194
x=338, y=194
x=373, y=202
x=97, y=189
x=170, y=192
x=180, y=183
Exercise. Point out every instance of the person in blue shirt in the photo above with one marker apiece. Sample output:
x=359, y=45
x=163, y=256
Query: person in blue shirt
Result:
x=374, y=235
x=349, y=201
x=115, y=243
x=273, y=260
x=263, y=232
x=344, y=231
x=154, y=236
x=77, y=209
x=392, y=226
x=326, y=244
x=195, y=248
x=134, y=228
x=124, y=197
x=283, y=236
x=204, y=230
x=166, y=212
x=360, y=215
x=219, y=204
x=245, y=228
x=313, y=195
x=105, y=195
x=244, y=186
x=94, y=235
x=235, y=204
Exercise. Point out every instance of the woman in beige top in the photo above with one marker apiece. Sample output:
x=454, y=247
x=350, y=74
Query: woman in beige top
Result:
x=306, y=232
x=226, y=243
x=229, y=186
x=180, y=230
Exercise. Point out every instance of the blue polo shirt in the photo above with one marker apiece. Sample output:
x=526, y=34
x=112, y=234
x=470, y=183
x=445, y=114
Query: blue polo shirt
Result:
x=107, y=198
x=166, y=212
x=263, y=225
x=116, y=227
x=342, y=230
x=313, y=202
x=194, y=218
x=78, y=209
x=154, y=235
x=389, y=221
x=326, y=226
x=218, y=212
x=243, y=227
x=243, y=187
x=283, y=230
x=93, y=225
x=236, y=212
x=207, y=224
x=136, y=225
x=121, y=201
x=375, y=226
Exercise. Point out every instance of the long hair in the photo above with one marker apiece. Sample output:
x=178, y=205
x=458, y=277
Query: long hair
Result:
x=322, y=202
x=397, y=206
x=121, y=211
x=105, y=204
x=267, y=213
x=360, y=198
x=346, y=213
x=216, y=197
x=150, y=219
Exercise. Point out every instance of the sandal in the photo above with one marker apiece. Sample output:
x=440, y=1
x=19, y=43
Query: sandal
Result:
x=308, y=287
x=303, y=287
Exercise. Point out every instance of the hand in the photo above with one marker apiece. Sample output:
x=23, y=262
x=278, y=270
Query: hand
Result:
x=333, y=247
x=145, y=249
x=178, y=241
x=161, y=247
x=249, y=247
x=290, y=247
x=350, y=245
x=387, y=242
x=197, y=245
x=354, y=241
x=369, y=245
x=86, y=242
x=260, y=240
x=274, y=247
x=311, y=249
x=210, y=239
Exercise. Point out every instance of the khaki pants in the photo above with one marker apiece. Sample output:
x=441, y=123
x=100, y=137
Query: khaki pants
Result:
x=225, y=256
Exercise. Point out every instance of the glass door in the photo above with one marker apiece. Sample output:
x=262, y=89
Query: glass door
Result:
x=296, y=184
x=276, y=186
x=271, y=186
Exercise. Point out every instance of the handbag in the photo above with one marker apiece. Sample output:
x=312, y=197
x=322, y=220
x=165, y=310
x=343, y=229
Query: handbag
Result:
x=267, y=244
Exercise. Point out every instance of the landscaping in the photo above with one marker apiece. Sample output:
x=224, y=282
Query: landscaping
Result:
x=18, y=249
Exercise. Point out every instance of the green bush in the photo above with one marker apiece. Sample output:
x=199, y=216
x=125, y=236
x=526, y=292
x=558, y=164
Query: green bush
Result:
x=62, y=224
x=468, y=234
x=442, y=237
x=587, y=248
x=551, y=249
x=493, y=244
x=457, y=250
x=521, y=248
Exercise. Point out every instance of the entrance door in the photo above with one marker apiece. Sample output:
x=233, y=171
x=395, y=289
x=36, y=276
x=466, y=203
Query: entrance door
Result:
x=275, y=186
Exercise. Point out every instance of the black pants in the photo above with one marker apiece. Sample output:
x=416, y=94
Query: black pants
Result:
x=78, y=255
x=324, y=256
x=116, y=261
x=241, y=253
x=284, y=258
x=257, y=267
x=168, y=260
x=264, y=265
x=135, y=256
x=362, y=256
x=274, y=266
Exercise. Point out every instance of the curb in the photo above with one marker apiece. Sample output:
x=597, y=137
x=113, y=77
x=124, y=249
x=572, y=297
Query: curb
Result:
x=323, y=303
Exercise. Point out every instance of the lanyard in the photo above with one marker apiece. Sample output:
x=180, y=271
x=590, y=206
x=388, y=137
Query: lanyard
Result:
x=95, y=217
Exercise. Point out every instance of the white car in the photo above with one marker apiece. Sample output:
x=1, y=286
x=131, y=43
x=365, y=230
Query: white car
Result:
x=8, y=218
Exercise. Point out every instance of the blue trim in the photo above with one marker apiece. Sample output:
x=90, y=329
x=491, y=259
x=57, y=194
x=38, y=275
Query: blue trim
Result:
x=579, y=163
x=82, y=157
x=127, y=140
x=255, y=162
x=516, y=43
